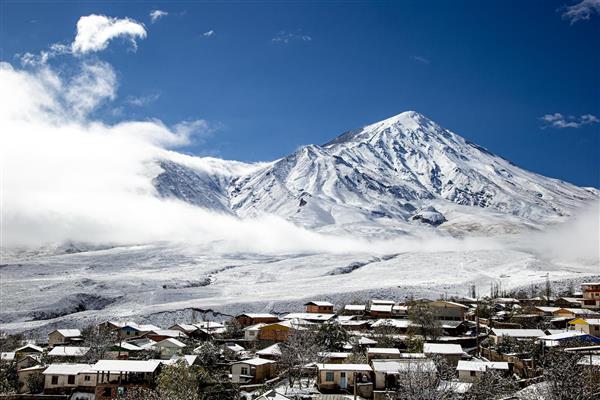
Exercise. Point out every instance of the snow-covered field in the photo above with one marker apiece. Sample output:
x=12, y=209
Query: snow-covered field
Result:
x=151, y=281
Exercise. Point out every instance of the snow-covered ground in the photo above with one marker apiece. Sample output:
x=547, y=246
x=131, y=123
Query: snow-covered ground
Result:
x=139, y=282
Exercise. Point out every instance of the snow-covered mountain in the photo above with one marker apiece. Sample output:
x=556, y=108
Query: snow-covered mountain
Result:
x=401, y=172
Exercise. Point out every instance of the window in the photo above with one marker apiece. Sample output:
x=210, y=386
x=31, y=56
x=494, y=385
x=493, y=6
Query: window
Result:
x=472, y=373
x=329, y=376
x=87, y=378
x=54, y=380
x=244, y=371
x=71, y=379
x=107, y=392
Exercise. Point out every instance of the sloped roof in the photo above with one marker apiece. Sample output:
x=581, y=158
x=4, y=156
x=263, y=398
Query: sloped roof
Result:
x=532, y=333
x=68, y=351
x=255, y=361
x=126, y=365
x=68, y=369
x=319, y=303
x=442, y=348
x=69, y=333
x=398, y=366
x=273, y=350
x=344, y=367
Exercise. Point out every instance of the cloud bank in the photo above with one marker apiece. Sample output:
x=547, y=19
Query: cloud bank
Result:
x=559, y=121
x=581, y=11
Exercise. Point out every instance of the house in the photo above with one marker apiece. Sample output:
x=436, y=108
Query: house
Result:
x=255, y=370
x=113, y=377
x=29, y=360
x=188, y=329
x=161, y=334
x=575, y=313
x=570, y=302
x=590, y=326
x=451, y=352
x=131, y=330
x=354, y=309
x=448, y=310
x=319, y=307
x=27, y=349
x=387, y=372
x=591, y=295
x=353, y=324
x=336, y=378
x=272, y=395
x=310, y=317
x=521, y=334
x=169, y=347
x=65, y=378
x=68, y=352
x=471, y=371
x=334, y=357
x=246, y=320
x=272, y=352
x=400, y=311
x=380, y=353
x=212, y=327
x=251, y=332
x=381, y=310
x=277, y=332
x=399, y=326
x=24, y=376
x=110, y=326
x=64, y=336
x=544, y=311
x=568, y=336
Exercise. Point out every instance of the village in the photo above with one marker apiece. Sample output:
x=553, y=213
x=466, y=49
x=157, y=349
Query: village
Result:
x=515, y=347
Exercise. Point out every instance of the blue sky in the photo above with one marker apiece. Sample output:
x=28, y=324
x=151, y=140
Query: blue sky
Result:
x=276, y=75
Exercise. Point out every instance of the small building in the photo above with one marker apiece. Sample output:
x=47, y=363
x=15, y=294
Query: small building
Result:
x=471, y=371
x=448, y=310
x=251, y=332
x=575, y=313
x=388, y=372
x=451, y=352
x=380, y=353
x=399, y=326
x=319, y=307
x=590, y=326
x=29, y=360
x=277, y=332
x=65, y=378
x=188, y=329
x=568, y=336
x=248, y=319
x=113, y=377
x=381, y=310
x=545, y=311
x=591, y=295
x=569, y=302
x=169, y=347
x=24, y=375
x=255, y=370
x=63, y=337
x=132, y=330
x=354, y=309
x=338, y=378
x=521, y=334
x=272, y=395
x=161, y=334
x=310, y=317
x=27, y=349
x=272, y=352
x=334, y=357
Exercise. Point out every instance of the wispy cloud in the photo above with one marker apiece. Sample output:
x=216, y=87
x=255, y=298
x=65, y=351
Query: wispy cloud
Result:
x=559, y=121
x=155, y=15
x=420, y=59
x=287, y=37
x=141, y=101
x=208, y=33
x=581, y=11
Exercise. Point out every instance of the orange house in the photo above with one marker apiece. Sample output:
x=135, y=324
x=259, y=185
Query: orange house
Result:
x=277, y=332
x=319, y=307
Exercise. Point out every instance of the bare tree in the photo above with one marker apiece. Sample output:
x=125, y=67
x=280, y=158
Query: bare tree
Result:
x=424, y=322
x=567, y=379
x=491, y=385
x=301, y=348
x=421, y=382
x=99, y=341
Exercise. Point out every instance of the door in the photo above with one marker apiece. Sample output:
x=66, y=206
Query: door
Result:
x=343, y=381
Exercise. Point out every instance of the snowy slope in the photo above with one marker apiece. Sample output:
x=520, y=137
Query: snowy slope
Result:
x=398, y=169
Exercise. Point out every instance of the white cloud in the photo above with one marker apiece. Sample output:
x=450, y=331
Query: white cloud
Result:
x=287, y=37
x=141, y=101
x=94, y=32
x=208, y=33
x=420, y=59
x=155, y=15
x=581, y=11
x=559, y=121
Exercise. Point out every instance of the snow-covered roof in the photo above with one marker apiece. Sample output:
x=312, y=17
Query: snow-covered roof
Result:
x=454, y=386
x=355, y=307
x=255, y=327
x=126, y=365
x=442, y=348
x=381, y=308
x=273, y=350
x=174, y=333
x=257, y=315
x=7, y=356
x=398, y=366
x=185, y=327
x=170, y=342
x=255, y=361
x=129, y=346
x=68, y=369
x=210, y=325
x=272, y=395
x=395, y=323
x=383, y=350
x=448, y=303
x=309, y=316
x=481, y=366
x=319, y=303
x=578, y=311
x=335, y=354
x=563, y=335
x=547, y=309
x=30, y=347
x=379, y=301
x=68, y=351
x=366, y=341
x=344, y=367
x=234, y=347
x=585, y=360
x=69, y=333
x=519, y=333
x=140, y=327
